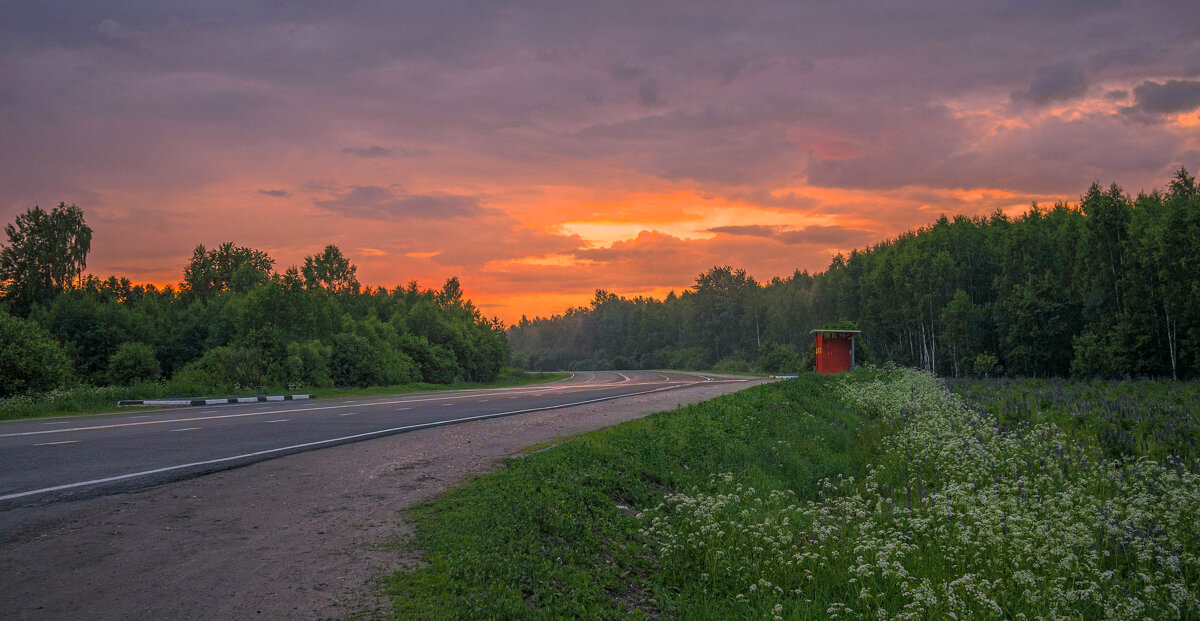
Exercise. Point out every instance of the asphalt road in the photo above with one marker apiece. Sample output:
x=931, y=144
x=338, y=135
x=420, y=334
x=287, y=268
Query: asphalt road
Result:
x=50, y=460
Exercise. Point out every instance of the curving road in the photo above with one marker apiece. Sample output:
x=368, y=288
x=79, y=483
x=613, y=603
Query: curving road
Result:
x=49, y=460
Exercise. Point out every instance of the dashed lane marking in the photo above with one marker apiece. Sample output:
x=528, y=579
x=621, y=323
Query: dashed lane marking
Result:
x=54, y=443
x=185, y=429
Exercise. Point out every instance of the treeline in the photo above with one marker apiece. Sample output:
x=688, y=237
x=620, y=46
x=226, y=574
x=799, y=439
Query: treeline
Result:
x=232, y=323
x=1110, y=287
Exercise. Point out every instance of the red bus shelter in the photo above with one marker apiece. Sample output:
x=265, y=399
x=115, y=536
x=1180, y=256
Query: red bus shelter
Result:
x=835, y=350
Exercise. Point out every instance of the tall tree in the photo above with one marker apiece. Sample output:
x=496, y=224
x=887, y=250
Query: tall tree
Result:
x=45, y=254
x=226, y=268
x=330, y=270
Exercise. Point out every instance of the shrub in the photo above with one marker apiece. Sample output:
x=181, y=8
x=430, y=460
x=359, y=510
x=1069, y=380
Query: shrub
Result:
x=353, y=362
x=777, y=358
x=30, y=360
x=223, y=367
x=732, y=365
x=133, y=361
x=306, y=363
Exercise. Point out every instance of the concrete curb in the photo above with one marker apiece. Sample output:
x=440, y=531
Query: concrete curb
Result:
x=217, y=401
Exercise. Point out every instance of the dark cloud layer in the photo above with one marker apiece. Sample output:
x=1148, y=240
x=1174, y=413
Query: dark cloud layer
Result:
x=371, y=201
x=1173, y=96
x=820, y=235
x=1063, y=80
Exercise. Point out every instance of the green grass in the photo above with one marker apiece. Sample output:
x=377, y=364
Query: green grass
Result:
x=99, y=399
x=872, y=494
x=553, y=534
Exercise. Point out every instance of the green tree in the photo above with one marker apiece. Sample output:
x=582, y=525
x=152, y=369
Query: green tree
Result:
x=330, y=270
x=45, y=254
x=31, y=360
x=225, y=268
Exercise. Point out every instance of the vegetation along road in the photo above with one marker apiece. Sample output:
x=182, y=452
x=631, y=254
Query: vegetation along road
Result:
x=47, y=460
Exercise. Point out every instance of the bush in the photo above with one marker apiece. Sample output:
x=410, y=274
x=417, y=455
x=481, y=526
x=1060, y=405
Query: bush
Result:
x=777, y=358
x=222, y=368
x=307, y=363
x=30, y=359
x=353, y=362
x=133, y=361
x=732, y=365
x=435, y=364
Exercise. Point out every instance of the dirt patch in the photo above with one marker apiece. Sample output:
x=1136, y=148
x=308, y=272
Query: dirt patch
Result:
x=300, y=537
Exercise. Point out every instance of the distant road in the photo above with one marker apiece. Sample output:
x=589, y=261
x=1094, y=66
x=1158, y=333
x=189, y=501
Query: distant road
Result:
x=50, y=460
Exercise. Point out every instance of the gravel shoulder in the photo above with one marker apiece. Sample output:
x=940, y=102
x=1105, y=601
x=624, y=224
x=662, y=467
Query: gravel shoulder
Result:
x=300, y=537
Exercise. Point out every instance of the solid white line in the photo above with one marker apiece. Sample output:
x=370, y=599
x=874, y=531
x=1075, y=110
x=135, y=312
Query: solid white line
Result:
x=53, y=443
x=123, y=477
x=184, y=429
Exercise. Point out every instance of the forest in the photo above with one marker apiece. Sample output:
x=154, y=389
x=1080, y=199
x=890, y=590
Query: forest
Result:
x=1107, y=287
x=233, y=323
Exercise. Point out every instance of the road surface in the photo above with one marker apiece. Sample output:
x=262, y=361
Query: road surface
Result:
x=49, y=460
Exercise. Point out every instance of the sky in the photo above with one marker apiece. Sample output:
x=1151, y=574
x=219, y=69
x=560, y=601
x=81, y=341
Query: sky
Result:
x=542, y=150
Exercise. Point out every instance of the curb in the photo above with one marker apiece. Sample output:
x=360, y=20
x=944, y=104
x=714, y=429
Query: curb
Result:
x=218, y=401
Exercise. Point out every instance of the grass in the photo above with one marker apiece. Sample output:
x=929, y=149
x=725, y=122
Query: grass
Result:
x=1155, y=419
x=555, y=534
x=98, y=399
x=874, y=494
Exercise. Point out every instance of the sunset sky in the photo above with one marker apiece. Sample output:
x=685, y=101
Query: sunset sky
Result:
x=541, y=150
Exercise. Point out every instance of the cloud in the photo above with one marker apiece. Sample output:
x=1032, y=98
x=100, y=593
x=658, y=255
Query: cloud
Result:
x=276, y=193
x=372, y=201
x=753, y=230
x=1063, y=80
x=376, y=151
x=1170, y=97
x=822, y=235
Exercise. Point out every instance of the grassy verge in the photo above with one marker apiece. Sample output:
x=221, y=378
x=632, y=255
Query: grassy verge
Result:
x=98, y=399
x=555, y=533
x=875, y=494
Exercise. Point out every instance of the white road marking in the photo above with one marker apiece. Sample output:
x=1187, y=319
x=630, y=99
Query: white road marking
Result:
x=402, y=409
x=184, y=429
x=57, y=422
x=53, y=443
x=347, y=413
x=328, y=407
x=358, y=436
x=278, y=420
x=482, y=401
x=446, y=405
